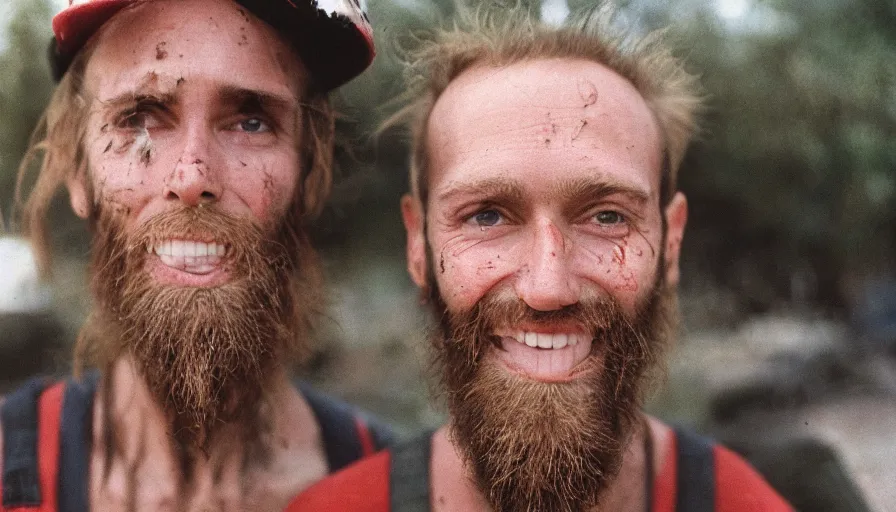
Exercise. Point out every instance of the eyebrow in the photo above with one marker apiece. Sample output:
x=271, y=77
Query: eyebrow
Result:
x=492, y=188
x=246, y=100
x=581, y=190
x=137, y=95
x=251, y=100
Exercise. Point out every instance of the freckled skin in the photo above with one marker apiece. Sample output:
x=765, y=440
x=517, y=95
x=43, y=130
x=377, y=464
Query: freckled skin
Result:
x=543, y=125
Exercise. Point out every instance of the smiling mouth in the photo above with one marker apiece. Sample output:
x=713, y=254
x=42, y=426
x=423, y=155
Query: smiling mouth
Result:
x=190, y=256
x=544, y=356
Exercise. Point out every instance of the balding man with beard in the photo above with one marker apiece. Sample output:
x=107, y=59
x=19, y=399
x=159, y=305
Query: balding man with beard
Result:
x=196, y=139
x=544, y=227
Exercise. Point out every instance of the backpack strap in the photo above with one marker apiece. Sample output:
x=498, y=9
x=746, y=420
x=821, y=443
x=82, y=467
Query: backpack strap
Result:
x=31, y=418
x=76, y=433
x=348, y=435
x=695, y=473
x=409, y=475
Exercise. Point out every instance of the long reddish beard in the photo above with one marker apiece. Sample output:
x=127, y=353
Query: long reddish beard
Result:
x=206, y=354
x=548, y=447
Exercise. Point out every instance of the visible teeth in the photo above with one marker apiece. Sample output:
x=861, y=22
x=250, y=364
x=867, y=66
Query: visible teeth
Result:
x=560, y=340
x=531, y=339
x=546, y=340
x=178, y=249
x=189, y=249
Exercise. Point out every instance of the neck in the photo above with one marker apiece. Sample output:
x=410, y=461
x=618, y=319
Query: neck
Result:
x=133, y=441
x=454, y=489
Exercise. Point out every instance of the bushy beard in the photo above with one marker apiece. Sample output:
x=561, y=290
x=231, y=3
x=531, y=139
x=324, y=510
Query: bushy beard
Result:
x=206, y=354
x=548, y=447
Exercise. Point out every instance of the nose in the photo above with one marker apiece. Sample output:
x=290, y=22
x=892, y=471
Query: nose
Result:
x=545, y=282
x=193, y=180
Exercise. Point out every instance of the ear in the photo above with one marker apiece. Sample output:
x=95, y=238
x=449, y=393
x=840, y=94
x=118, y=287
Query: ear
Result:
x=412, y=214
x=77, y=195
x=676, y=217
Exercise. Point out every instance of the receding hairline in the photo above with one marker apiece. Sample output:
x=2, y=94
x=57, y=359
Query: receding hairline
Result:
x=579, y=71
x=499, y=36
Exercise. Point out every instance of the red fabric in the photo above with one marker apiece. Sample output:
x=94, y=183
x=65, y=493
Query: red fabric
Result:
x=740, y=488
x=361, y=487
x=368, y=447
x=48, y=427
x=665, y=482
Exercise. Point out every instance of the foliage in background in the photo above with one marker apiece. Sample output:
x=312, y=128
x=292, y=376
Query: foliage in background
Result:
x=792, y=190
x=25, y=87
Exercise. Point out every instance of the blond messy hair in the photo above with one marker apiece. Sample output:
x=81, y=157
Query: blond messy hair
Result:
x=57, y=149
x=499, y=35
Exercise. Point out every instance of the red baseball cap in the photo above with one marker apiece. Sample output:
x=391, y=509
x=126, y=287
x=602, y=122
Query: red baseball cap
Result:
x=333, y=37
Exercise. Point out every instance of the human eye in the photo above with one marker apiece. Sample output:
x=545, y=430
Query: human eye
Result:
x=486, y=218
x=609, y=218
x=252, y=125
x=144, y=115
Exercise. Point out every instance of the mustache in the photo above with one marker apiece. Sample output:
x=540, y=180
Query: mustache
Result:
x=593, y=314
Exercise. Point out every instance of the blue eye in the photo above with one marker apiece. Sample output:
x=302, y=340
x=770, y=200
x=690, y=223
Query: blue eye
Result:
x=253, y=125
x=487, y=218
x=609, y=217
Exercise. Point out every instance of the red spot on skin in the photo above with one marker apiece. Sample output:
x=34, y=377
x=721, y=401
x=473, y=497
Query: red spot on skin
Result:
x=161, y=53
x=629, y=283
x=619, y=255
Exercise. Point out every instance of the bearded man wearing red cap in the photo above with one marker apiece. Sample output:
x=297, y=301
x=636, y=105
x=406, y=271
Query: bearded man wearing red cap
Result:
x=195, y=137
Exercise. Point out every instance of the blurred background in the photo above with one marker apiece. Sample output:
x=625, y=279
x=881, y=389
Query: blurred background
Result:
x=788, y=298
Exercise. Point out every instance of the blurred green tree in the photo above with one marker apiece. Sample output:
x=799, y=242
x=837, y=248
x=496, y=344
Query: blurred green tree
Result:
x=25, y=86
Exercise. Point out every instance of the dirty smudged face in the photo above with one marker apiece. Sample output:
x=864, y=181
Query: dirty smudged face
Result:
x=543, y=242
x=193, y=150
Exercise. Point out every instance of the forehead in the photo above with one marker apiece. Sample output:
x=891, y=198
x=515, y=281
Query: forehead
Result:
x=555, y=118
x=217, y=40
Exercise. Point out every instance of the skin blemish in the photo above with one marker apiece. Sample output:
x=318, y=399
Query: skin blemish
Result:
x=619, y=255
x=180, y=81
x=629, y=283
x=108, y=147
x=578, y=129
x=442, y=262
x=105, y=128
x=556, y=237
x=588, y=93
x=161, y=53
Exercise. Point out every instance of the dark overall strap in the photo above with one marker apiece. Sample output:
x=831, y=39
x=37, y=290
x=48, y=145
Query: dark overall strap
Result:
x=76, y=432
x=409, y=475
x=348, y=435
x=696, y=473
x=21, y=479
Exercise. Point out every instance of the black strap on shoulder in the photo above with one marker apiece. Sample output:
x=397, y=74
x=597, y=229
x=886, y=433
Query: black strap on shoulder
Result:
x=76, y=434
x=338, y=424
x=409, y=475
x=21, y=480
x=696, y=473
